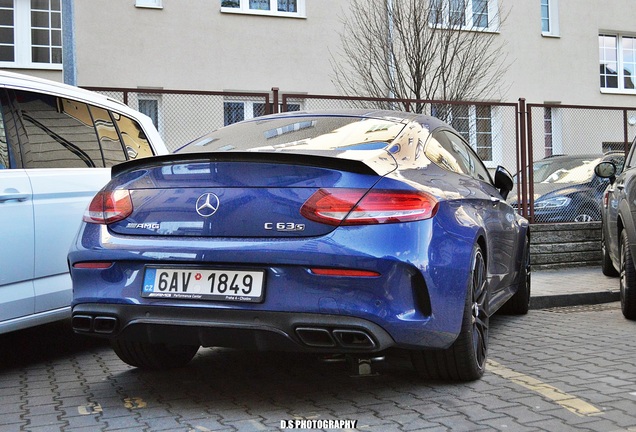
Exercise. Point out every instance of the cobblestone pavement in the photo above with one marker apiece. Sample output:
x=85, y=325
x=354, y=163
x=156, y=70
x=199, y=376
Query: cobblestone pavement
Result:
x=552, y=370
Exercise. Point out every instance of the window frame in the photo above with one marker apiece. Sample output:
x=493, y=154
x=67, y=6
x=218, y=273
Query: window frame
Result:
x=620, y=68
x=149, y=4
x=493, y=16
x=552, y=18
x=244, y=8
x=23, y=43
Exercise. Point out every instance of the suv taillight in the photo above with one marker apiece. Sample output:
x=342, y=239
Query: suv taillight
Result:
x=109, y=206
x=359, y=207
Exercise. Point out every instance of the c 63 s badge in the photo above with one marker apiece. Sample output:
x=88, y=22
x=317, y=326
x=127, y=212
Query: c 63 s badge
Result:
x=283, y=226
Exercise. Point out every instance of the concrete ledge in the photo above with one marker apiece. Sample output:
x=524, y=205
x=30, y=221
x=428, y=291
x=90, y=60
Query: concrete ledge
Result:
x=578, y=299
x=565, y=245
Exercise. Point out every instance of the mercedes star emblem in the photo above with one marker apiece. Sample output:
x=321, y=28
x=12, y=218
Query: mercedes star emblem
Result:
x=207, y=204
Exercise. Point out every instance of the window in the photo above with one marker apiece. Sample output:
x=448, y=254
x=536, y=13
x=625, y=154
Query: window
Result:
x=547, y=131
x=65, y=133
x=549, y=17
x=467, y=14
x=108, y=137
x=450, y=152
x=150, y=107
x=236, y=111
x=133, y=137
x=617, y=54
x=149, y=4
x=474, y=123
x=31, y=33
x=59, y=131
x=288, y=8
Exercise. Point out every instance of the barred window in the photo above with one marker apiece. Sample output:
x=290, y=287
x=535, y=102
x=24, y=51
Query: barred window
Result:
x=31, y=33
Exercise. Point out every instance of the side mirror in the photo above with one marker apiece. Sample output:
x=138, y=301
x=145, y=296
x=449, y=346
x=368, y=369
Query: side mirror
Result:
x=503, y=181
x=606, y=170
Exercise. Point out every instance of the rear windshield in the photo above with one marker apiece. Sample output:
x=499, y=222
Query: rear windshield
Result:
x=300, y=134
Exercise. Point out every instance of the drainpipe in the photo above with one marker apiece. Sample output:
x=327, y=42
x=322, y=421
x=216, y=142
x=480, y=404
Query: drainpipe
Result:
x=68, y=43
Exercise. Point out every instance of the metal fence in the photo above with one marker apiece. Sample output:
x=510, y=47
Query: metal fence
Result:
x=551, y=188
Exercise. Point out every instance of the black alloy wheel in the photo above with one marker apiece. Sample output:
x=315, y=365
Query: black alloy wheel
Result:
x=465, y=359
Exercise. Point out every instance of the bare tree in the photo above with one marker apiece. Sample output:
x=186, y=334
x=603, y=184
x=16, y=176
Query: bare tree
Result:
x=420, y=49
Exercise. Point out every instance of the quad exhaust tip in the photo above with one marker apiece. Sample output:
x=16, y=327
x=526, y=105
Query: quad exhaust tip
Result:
x=331, y=338
x=94, y=324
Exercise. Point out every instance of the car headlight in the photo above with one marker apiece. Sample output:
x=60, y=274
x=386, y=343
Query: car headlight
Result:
x=552, y=203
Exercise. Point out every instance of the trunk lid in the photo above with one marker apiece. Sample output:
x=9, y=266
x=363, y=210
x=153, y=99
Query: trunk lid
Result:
x=240, y=195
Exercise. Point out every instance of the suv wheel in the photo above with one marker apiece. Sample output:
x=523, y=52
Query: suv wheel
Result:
x=628, y=279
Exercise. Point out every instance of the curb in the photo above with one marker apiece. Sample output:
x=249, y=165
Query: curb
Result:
x=579, y=299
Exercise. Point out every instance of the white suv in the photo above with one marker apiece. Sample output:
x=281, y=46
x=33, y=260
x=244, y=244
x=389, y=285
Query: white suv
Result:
x=57, y=144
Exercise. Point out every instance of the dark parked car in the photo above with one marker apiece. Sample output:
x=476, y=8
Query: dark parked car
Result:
x=618, y=238
x=566, y=188
x=346, y=232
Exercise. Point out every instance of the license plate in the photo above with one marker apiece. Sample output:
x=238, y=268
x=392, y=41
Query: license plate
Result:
x=204, y=284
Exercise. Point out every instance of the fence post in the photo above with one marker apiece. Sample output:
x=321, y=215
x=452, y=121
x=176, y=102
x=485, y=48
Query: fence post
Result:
x=625, y=134
x=275, y=101
x=522, y=160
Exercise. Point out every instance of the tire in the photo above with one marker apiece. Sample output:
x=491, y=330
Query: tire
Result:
x=153, y=356
x=519, y=303
x=627, y=279
x=606, y=262
x=465, y=359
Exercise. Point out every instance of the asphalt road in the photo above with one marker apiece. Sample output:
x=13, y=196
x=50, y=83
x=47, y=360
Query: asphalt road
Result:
x=551, y=370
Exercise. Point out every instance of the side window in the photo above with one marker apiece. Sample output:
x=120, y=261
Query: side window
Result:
x=59, y=132
x=108, y=137
x=471, y=160
x=439, y=150
x=133, y=137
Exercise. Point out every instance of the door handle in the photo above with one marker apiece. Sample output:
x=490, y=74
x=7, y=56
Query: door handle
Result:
x=13, y=195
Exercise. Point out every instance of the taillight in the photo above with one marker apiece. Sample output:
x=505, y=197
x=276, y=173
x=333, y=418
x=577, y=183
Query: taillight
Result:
x=109, y=206
x=357, y=207
x=605, y=199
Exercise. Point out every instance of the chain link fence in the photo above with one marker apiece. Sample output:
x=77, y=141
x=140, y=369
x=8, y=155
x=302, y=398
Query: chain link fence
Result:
x=564, y=145
x=558, y=145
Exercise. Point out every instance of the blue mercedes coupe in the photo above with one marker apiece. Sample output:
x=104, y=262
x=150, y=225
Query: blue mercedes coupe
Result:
x=344, y=232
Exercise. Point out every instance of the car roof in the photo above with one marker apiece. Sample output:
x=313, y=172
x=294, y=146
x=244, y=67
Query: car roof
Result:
x=427, y=121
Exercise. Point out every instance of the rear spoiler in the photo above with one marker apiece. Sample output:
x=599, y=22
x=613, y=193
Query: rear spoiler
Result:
x=298, y=158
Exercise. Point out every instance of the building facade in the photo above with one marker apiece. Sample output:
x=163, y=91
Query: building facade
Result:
x=556, y=52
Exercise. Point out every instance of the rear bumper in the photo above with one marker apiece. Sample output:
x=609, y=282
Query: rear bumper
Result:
x=282, y=331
